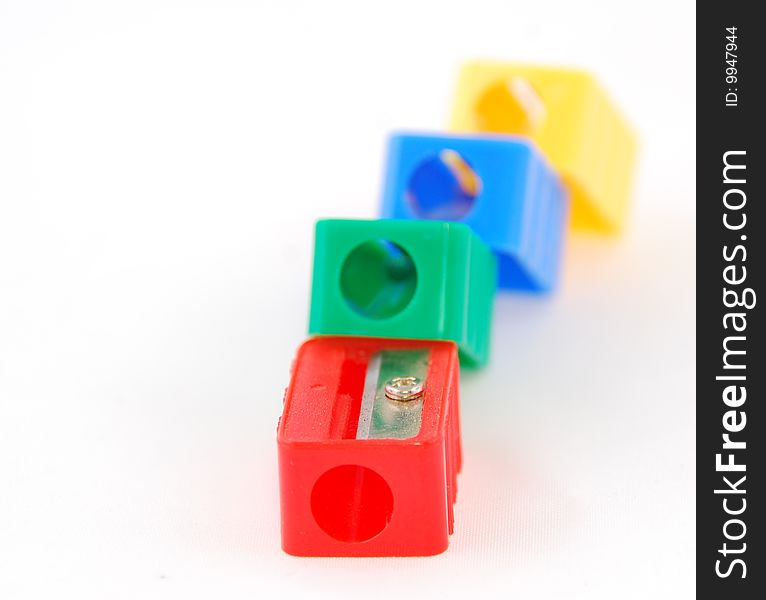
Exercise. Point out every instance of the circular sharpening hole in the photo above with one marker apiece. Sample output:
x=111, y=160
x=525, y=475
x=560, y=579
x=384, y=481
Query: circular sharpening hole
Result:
x=352, y=503
x=378, y=279
x=509, y=106
x=443, y=187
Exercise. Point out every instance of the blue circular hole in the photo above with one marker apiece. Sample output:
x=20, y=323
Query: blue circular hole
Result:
x=443, y=187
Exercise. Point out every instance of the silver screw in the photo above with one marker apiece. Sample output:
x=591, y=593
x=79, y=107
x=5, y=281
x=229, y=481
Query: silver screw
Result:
x=404, y=389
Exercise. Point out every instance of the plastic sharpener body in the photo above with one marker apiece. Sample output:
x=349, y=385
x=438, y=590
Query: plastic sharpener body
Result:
x=569, y=116
x=369, y=448
x=431, y=280
x=500, y=186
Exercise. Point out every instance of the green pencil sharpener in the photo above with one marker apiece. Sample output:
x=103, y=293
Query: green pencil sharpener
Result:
x=432, y=280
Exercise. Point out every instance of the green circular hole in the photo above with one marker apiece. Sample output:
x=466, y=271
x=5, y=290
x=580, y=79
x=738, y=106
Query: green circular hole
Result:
x=378, y=279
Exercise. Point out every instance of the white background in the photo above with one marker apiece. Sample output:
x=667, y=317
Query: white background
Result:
x=161, y=167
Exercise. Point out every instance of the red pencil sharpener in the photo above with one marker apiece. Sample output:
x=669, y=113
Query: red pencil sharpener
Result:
x=369, y=448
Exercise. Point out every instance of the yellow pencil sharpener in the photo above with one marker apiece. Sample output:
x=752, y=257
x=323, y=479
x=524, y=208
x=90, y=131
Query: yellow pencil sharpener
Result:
x=570, y=118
